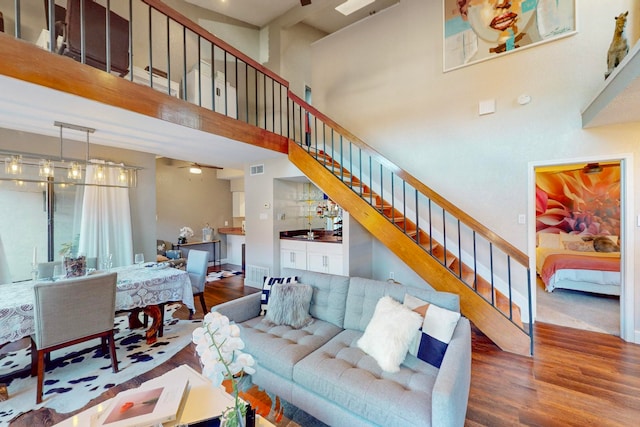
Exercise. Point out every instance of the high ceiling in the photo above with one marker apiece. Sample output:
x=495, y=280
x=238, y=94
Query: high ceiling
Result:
x=22, y=109
x=320, y=14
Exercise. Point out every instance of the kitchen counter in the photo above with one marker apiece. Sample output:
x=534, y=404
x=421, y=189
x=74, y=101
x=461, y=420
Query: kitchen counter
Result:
x=231, y=230
x=319, y=235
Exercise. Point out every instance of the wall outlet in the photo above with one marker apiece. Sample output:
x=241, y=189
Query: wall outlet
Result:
x=226, y=223
x=391, y=275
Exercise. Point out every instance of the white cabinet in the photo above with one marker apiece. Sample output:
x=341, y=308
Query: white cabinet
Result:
x=160, y=83
x=224, y=93
x=312, y=256
x=293, y=254
x=325, y=257
x=234, y=249
x=238, y=203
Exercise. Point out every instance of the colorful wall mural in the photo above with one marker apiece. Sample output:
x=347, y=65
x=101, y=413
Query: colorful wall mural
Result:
x=579, y=203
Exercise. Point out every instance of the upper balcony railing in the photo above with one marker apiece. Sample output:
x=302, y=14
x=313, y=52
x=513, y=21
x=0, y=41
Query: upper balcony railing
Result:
x=147, y=42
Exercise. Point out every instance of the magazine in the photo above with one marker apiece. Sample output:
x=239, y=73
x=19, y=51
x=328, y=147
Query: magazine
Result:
x=145, y=406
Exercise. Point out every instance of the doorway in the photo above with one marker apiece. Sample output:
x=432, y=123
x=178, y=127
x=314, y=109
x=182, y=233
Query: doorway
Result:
x=576, y=252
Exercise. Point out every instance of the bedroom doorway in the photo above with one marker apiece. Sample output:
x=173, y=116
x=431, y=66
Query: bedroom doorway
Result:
x=577, y=256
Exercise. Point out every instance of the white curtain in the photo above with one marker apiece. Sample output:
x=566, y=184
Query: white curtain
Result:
x=5, y=275
x=105, y=226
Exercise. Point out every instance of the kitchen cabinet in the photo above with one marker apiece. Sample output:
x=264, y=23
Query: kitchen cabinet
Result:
x=234, y=249
x=325, y=258
x=312, y=256
x=237, y=202
x=293, y=254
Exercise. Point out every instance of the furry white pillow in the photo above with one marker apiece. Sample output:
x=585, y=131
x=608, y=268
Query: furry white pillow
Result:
x=389, y=333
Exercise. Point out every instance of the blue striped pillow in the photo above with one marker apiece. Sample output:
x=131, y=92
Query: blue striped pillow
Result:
x=267, y=284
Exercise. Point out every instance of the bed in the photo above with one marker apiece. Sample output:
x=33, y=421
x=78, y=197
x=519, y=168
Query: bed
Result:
x=577, y=266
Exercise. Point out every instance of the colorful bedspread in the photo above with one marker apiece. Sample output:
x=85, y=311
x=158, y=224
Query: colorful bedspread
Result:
x=555, y=262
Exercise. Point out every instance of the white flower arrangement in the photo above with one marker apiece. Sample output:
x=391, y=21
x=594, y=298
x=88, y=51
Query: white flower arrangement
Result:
x=186, y=232
x=219, y=346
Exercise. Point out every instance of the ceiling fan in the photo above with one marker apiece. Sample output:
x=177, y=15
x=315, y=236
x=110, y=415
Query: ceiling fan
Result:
x=196, y=168
x=588, y=169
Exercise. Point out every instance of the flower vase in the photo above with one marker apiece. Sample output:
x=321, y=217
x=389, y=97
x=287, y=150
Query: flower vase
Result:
x=182, y=240
x=234, y=418
x=75, y=265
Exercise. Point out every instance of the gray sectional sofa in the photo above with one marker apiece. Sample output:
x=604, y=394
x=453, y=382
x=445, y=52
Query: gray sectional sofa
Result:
x=320, y=369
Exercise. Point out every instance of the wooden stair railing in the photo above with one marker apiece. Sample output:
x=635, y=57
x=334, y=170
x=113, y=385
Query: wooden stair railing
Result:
x=446, y=258
x=494, y=323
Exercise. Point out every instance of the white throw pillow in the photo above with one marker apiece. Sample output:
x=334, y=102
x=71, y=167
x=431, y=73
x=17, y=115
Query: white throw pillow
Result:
x=431, y=342
x=389, y=333
x=549, y=240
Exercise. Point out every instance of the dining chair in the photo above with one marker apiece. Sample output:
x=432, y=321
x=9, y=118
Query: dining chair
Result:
x=197, y=264
x=71, y=311
x=45, y=269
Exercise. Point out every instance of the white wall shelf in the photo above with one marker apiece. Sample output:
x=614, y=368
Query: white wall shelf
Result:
x=618, y=99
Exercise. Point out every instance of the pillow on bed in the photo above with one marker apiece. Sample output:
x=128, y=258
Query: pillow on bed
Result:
x=566, y=237
x=579, y=246
x=549, y=240
x=604, y=244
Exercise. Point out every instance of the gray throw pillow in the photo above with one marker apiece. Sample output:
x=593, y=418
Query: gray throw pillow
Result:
x=289, y=305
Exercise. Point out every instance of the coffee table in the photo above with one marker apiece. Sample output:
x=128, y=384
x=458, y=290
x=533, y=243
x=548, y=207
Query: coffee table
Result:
x=202, y=401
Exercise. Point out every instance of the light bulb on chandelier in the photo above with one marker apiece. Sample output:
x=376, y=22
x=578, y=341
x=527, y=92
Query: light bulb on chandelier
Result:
x=13, y=165
x=46, y=168
x=75, y=171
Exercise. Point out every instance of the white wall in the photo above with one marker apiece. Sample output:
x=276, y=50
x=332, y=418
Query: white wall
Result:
x=185, y=199
x=389, y=89
x=262, y=238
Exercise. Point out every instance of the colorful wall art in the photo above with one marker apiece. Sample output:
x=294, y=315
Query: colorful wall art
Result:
x=579, y=203
x=476, y=30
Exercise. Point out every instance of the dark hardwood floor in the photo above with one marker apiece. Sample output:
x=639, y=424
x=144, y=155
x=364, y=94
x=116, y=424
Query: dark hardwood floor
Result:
x=577, y=378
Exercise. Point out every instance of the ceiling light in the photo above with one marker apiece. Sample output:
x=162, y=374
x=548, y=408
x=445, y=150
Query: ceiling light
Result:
x=123, y=176
x=350, y=6
x=75, y=171
x=46, y=168
x=592, y=168
x=99, y=174
x=195, y=170
x=13, y=165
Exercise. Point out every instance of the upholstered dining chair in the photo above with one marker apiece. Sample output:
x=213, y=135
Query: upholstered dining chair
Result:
x=45, y=269
x=70, y=311
x=197, y=264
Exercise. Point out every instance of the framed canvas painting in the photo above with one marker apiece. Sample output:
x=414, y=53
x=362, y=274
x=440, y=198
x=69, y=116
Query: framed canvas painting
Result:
x=477, y=30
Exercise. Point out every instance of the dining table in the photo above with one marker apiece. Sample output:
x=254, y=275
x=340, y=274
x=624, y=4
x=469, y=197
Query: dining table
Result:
x=139, y=287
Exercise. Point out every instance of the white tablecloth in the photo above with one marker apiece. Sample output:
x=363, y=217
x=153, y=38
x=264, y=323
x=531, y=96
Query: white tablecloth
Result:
x=138, y=286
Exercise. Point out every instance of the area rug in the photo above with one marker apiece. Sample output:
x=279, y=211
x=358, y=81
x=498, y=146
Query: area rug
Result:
x=82, y=372
x=217, y=275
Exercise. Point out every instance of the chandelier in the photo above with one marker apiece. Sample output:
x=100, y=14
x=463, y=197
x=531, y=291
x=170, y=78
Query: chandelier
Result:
x=25, y=167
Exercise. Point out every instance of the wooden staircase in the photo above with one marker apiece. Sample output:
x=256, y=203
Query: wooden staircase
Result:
x=482, y=303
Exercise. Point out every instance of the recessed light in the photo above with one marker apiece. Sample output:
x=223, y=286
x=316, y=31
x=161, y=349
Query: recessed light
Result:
x=350, y=6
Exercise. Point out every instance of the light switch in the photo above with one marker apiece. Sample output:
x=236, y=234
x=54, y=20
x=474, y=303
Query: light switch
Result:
x=522, y=218
x=487, y=106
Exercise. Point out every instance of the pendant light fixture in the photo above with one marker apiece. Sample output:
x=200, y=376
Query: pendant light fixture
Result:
x=46, y=168
x=13, y=165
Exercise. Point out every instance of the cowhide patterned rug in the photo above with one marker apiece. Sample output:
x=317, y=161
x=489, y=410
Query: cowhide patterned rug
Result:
x=79, y=373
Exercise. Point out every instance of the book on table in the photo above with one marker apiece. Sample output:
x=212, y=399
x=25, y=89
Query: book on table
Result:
x=145, y=406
